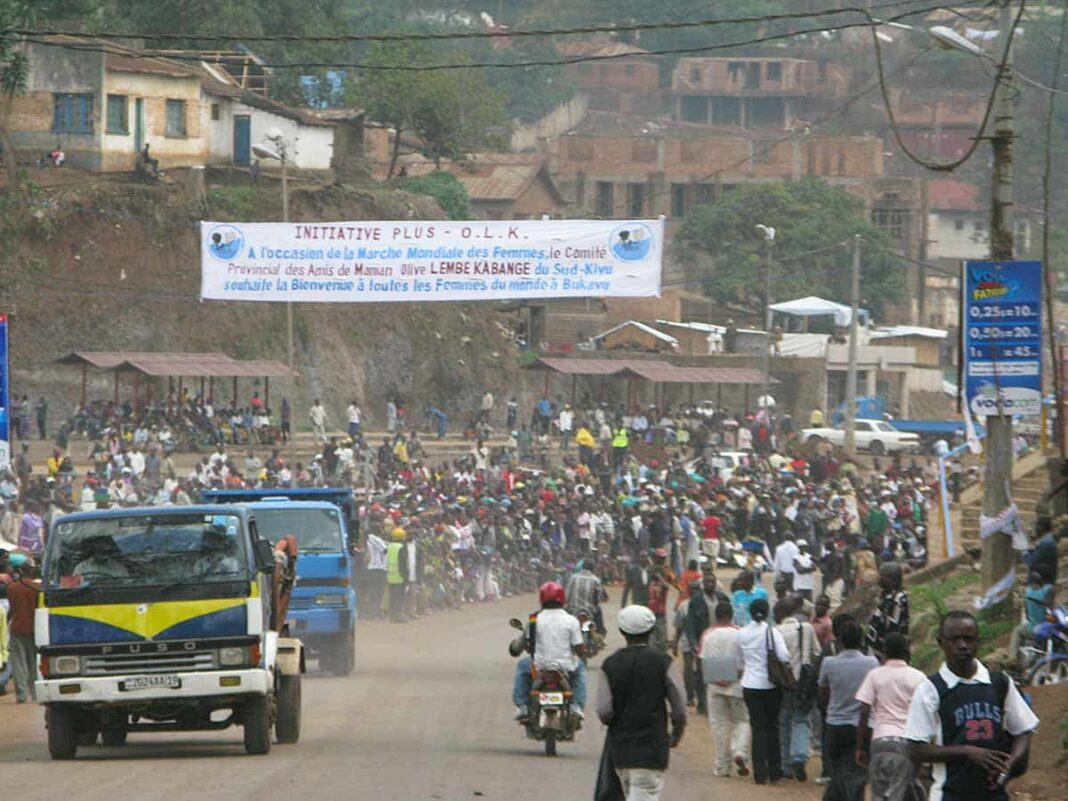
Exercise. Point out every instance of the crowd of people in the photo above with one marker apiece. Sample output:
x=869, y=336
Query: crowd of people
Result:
x=648, y=499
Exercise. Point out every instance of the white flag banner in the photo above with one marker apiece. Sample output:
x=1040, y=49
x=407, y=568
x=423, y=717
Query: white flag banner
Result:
x=375, y=262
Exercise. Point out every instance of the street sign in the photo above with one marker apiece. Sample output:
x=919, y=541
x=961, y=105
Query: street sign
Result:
x=1002, y=321
x=5, y=405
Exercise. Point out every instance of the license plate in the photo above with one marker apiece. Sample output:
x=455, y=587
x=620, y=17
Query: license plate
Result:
x=168, y=682
x=550, y=698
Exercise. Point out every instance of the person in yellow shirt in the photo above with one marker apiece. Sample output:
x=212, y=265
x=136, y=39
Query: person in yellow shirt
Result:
x=586, y=443
x=400, y=450
x=815, y=418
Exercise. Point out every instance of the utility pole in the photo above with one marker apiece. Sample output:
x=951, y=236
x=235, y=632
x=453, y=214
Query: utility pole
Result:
x=285, y=218
x=769, y=240
x=998, y=556
x=854, y=333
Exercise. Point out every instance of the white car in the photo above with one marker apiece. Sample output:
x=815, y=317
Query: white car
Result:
x=727, y=462
x=875, y=436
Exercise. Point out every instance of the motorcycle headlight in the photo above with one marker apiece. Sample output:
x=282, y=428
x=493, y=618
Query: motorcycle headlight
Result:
x=232, y=656
x=64, y=665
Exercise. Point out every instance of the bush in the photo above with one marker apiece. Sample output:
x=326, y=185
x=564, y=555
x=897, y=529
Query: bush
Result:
x=446, y=189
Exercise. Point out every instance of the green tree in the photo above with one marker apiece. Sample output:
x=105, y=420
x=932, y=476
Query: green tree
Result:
x=446, y=189
x=452, y=111
x=814, y=227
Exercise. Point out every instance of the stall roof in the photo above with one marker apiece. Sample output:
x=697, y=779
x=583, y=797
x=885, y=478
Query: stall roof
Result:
x=178, y=364
x=110, y=359
x=654, y=370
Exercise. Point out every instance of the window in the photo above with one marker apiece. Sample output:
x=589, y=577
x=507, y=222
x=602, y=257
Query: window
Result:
x=892, y=216
x=726, y=111
x=72, y=113
x=695, y=74
x=693, y=109
x=958, y=225
x=774, y=70
x=117, y=116
x=766, y=112
x=678, y=200
x=635, y=200
x=215, y=111
x=175, y=119
x=705, y=194
x=605, y=199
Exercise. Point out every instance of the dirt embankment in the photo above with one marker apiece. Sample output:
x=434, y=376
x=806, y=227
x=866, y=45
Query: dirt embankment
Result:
x=105, y=266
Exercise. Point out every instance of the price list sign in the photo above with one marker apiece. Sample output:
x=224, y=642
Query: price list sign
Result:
x=1002, y=323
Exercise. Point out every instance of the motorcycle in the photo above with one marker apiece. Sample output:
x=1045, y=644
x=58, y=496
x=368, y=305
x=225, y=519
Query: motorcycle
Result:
x=1047, y=659
x=550, y=719
x=590, y=633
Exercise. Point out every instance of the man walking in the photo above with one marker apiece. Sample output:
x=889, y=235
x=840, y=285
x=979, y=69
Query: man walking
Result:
x=317, y=415
x=22, y=598
x=840, y=678
x=972, y=723
x=638, y=687
x=885, y=695
x=727, y=715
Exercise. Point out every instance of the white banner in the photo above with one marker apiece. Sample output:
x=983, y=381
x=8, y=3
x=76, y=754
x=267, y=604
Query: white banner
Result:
x=374, y=262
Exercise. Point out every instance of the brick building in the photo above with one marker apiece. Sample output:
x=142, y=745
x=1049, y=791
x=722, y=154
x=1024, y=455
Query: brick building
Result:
x=616, y=165
x=620, y=77
x=754, y=92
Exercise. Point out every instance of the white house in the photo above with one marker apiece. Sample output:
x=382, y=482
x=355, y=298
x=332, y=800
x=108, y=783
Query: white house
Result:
x=237, y=119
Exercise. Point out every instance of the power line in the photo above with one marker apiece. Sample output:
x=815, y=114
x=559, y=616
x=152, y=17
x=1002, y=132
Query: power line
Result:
x=363, y=66
x=629, y=27
x=943, y=166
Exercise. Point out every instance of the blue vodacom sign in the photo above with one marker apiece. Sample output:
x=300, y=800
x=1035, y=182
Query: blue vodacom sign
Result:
x=5, y=397
x=1002, y=313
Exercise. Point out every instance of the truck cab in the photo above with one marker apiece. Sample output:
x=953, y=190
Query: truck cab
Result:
x=322, y=611
x=159, y=619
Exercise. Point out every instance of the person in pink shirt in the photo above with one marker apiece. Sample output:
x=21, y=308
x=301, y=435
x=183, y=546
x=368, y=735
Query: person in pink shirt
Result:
x=821, y=622
x=885, y=696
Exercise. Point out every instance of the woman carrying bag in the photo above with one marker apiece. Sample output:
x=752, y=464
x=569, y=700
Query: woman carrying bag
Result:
x=764, y=664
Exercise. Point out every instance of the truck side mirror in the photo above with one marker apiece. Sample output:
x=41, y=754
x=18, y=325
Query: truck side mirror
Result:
x=264, y=556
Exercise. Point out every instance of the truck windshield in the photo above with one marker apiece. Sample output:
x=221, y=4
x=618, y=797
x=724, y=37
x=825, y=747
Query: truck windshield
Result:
x=152, y=550
x=315, y=529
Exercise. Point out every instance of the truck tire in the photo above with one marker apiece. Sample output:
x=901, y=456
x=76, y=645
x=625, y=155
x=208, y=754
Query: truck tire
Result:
x=343, y=659
x=287, y=722
x=62, y=732
x=256, y=716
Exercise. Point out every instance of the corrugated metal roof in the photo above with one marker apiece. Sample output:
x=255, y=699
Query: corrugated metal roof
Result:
x=121, y=62
x=177, y=364
x=648, y=329
x=654, y=370
x=581, y=366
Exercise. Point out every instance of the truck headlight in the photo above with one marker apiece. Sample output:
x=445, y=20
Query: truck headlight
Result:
x=233, y=656
x=64, y=665
x=329, y=600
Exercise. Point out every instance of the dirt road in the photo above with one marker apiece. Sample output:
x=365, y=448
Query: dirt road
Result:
x=425, y=715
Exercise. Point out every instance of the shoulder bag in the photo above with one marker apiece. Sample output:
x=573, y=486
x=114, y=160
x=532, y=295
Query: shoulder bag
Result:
x=779, y=673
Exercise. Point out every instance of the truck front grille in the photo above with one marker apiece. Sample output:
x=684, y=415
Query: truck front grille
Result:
x=166, y=662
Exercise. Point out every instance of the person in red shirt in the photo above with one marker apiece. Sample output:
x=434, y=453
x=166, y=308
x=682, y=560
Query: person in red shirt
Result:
x=711, y=526
x=691, y=574
x=658, y=601
x=22, y=598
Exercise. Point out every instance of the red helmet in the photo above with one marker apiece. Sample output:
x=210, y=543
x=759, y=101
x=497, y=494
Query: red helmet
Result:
x=551, y=591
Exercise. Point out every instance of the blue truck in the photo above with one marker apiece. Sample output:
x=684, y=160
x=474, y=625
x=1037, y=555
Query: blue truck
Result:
x=322, y=611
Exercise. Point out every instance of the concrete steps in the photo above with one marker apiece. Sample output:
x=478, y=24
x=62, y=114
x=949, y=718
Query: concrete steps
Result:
x=1027, y=489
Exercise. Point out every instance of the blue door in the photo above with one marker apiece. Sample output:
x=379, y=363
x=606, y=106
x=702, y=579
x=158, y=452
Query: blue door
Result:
x=242, y=140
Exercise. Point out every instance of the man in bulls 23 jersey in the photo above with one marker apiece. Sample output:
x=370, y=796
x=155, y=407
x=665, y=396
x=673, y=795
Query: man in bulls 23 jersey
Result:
x=972, y=723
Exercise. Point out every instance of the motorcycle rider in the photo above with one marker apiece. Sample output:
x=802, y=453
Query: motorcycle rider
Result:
x=555, y=640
